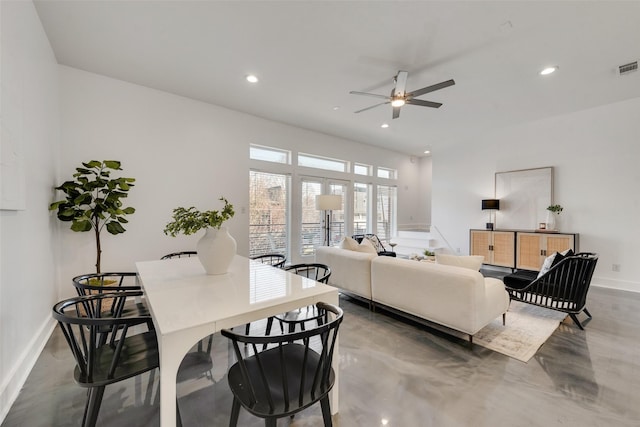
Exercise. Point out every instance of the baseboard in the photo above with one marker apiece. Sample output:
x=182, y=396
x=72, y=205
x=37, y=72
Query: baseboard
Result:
x=621, y=285
x=12, y=384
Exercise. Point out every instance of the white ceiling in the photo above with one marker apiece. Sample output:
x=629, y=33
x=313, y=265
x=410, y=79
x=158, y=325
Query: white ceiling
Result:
x=310, y=54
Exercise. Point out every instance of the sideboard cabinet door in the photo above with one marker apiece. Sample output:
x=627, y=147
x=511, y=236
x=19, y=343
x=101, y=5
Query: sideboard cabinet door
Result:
x=497, y=247
x=533, y=248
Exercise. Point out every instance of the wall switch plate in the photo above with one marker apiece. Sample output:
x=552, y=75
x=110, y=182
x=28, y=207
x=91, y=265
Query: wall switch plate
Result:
x=615, y=267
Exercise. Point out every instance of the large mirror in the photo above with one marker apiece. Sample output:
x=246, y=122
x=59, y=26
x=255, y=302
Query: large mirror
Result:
x=524, y=197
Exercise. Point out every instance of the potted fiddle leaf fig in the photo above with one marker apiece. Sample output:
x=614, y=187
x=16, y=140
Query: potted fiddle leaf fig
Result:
x=93, y=201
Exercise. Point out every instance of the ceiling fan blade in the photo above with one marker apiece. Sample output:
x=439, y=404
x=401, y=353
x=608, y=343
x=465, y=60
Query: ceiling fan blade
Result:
x=353, y=92
x=432, y=88
x=401, y=82
x=422, y=103
x=369, y=108
x=396, y=112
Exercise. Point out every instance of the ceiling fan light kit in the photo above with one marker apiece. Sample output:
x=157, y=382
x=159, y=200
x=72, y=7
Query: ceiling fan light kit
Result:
x=400, y=97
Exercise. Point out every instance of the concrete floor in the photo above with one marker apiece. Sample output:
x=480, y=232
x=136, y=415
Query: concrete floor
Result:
x=395, y=373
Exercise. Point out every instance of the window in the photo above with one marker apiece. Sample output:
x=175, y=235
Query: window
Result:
x=360, y=169
x=269, y=154
x=268, y=213
x=318, y=162
x=387, y=173
x=311, y=228
x=361, y=208
x=386, y=208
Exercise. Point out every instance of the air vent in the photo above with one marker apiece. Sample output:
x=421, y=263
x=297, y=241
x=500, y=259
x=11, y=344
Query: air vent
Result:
x=628, y=68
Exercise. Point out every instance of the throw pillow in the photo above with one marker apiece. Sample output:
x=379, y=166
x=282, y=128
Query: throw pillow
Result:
x=367, y=247
x=553, y=260
x=375, y=242
x=348, y=243
x=472, y=262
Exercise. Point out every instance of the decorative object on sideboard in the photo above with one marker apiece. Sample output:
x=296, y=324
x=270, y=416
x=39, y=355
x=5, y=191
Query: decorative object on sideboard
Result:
x=490, y=205
x=429, y=255
x=328, y=203
x=93, y=200
x=217, y=247
x=553, y=216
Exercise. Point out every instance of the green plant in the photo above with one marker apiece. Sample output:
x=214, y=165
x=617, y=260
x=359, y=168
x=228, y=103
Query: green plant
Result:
x=191, y=220
x=93, y=200
x=555, y=208
x=427, y=252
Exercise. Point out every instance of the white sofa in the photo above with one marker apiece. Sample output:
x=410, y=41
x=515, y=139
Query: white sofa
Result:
x=350, y=270
x=456, y=297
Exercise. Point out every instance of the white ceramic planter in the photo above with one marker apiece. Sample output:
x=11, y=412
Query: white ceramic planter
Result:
x=216, y=250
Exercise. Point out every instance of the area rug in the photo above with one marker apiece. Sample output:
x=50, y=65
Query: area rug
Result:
x=527, y=328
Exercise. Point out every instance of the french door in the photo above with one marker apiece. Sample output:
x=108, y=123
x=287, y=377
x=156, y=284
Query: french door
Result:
x=313, y=221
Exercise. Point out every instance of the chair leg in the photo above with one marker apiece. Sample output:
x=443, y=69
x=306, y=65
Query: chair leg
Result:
x=235, y=412
x=504, y=319
x=269, y=325
x=247, y=328
x=326, y=411
x=93, y=407
x=576, y=321
x=587, y=312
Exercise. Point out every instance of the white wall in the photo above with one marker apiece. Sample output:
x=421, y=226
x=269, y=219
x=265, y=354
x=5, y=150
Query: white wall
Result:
x=595, y=157
x=182, y=153
x=28, y=247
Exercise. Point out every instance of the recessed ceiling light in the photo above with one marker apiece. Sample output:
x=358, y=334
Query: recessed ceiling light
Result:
x=548, y=70
x=384, y=125
x=336, y=108
x=252, y=79
x=427, y=151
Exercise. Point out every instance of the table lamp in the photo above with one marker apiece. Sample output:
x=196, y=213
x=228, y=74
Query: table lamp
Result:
x=490, y=205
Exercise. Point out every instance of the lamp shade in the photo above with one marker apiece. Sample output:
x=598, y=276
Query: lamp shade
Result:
x=328, y=202
x=491, y=204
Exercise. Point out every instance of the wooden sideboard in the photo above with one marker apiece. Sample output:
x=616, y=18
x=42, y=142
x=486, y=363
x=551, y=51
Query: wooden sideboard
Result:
x=521, y=249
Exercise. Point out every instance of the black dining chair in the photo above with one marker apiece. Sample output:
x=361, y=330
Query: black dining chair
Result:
x=101, y=362
x=183, y=254
x=274, y=260
x=282, y=375
x=301, y=317
x=104, y=283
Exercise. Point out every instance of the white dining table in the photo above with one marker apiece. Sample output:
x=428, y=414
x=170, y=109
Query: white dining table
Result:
x=187, y=305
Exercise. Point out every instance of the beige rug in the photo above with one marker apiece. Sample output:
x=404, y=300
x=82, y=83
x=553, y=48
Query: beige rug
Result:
x=527, y=328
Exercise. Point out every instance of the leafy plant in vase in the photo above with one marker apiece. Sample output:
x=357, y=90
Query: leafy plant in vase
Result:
x=217, y=247
x=429, y=254
x=553, y=212
x=93, y=201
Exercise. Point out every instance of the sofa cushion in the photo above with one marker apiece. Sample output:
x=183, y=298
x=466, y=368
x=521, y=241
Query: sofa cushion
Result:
x=348, y=243
x=473, y=262
x=519, y=279
x=366, y=247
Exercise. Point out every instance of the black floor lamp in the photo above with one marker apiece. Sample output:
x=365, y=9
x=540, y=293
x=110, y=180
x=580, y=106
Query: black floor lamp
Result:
x=328, y=203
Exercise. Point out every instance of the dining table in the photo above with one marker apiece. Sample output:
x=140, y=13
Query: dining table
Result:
x=187, y=305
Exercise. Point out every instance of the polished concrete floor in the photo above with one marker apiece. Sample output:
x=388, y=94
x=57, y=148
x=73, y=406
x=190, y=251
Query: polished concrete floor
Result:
x=394, y=373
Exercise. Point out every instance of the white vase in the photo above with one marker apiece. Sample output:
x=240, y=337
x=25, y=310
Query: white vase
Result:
x=552, y=221
x=216, y=250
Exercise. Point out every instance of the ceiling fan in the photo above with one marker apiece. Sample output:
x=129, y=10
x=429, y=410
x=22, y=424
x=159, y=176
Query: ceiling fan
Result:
x=399, y=97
